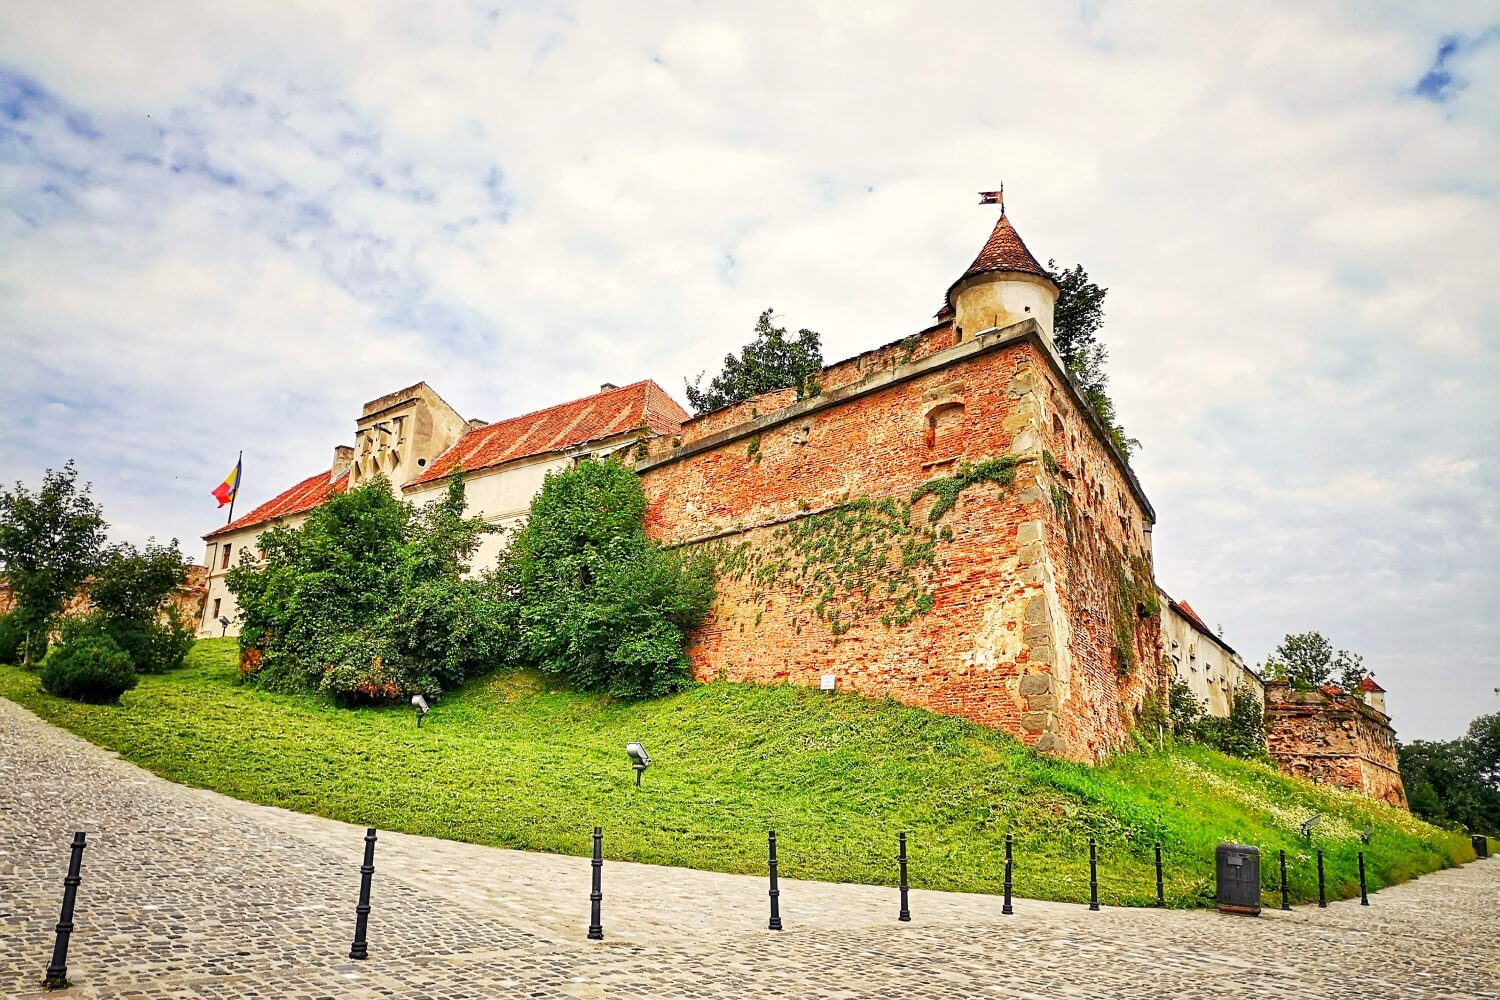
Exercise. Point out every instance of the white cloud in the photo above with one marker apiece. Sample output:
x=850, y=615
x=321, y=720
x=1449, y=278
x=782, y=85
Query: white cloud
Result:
x=227, y=227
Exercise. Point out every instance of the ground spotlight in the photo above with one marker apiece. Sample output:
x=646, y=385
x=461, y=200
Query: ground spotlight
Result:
x=639, y=759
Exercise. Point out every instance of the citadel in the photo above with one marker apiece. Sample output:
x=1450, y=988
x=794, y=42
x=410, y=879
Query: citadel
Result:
x=946, y=522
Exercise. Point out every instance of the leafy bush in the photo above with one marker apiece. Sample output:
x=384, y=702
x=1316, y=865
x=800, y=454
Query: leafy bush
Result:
x=154, y=646
x=89, y=667
x=591, y=598
x=366, y=600
x=16, y=629
x=1240, y=734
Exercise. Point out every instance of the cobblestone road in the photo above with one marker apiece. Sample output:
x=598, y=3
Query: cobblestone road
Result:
x=190, y=894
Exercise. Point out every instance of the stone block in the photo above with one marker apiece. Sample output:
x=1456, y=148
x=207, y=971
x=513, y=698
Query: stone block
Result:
x=1037, y=722
x=1035, y=684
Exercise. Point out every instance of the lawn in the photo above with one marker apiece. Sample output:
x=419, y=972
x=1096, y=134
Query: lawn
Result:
x=513, y=760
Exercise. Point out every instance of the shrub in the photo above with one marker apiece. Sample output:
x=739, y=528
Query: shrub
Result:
x=12, y=634
x=591, y=598
x=154, y=647
x=15, y=628
x=366, y=601
x=90, y=667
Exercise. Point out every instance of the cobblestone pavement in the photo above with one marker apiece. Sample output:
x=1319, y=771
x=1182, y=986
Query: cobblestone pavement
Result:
x=187, y=893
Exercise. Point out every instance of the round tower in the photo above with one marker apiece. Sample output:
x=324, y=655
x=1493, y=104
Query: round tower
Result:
x=1004, y=285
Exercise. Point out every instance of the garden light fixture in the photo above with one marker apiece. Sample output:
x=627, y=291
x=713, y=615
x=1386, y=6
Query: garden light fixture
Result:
x=1308, y=824
x=639, y=759
x=420, y=704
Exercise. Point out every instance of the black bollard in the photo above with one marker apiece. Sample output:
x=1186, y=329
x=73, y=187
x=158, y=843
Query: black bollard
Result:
x=1006, y=909
x=1322, y=893
x=360, y=949
x=1161, y=896
x=905, y=914
x=1093, y=876
x=596, y=894
x=775, y=923
x=57, y=972
x=1364, y=897
x=1285, y=902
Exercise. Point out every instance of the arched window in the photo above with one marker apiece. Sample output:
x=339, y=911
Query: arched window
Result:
x=944, y=427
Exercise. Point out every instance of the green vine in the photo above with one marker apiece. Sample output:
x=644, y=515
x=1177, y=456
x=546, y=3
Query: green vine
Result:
x=752, y=450
x=1062, y=500
x=860, y=558
x=1000, y=471
x=909, y=345
x=1135, y=599
x=852, y=560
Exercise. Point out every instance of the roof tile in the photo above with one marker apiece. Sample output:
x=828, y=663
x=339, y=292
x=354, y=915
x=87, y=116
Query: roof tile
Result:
x=306, y=495
x=602, y=415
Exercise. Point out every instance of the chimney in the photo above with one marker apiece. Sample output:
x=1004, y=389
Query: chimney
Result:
x=608, y=386
x=475, y=423
x=343, y=457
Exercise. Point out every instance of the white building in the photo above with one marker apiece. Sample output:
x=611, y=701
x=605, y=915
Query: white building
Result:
x=417, y=441
x=1208, y=664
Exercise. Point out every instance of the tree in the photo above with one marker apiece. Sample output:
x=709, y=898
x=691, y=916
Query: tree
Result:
x=591, y=598
x=770, y=361
x=131, y=593
x=49, y=543
x=1076, y=320
x=1456, y=782
x=135, y=584
x=1307, y=661
x=368, y=599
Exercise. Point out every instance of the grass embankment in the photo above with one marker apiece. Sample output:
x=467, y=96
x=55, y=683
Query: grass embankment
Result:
x=512, y=761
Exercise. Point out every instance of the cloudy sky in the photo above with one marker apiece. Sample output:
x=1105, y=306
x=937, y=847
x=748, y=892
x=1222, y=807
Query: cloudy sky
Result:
x=222, y=228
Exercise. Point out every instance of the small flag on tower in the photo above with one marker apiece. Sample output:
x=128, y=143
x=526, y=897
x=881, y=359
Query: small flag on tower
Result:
x=225, y=491
x=993, y=197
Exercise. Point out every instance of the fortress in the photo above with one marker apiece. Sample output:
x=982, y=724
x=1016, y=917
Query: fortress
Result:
x=945, y=521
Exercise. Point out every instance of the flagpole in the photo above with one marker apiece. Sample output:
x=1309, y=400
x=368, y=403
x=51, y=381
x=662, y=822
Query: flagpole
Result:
x=239, y=475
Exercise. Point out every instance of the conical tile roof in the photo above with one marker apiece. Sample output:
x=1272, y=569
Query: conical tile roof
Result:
x=1003, y=251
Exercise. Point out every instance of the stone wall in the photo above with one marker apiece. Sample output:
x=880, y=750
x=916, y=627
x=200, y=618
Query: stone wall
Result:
x=1333, y=738
x=1003, y=609
x=187, y=599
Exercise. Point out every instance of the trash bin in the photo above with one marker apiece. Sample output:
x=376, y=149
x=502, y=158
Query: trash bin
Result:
x=1237, y=868
x=1481, y=846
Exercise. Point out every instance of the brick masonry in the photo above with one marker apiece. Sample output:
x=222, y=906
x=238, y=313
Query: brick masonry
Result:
x=1032, y=626
x=187, y=599
x=1333, y=738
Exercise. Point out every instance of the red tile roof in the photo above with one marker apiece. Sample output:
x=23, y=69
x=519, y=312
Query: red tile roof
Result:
x=592, y=418
x=306, y=495
x=1191, y=615
x=1004, y=251
x=1368, y=684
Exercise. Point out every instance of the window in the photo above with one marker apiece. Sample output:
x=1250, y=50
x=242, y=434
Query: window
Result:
x=224, y=563
x=217, y=602
x=943, y=427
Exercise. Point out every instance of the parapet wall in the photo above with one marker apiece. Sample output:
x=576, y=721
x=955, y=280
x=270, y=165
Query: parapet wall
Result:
x=1333, y=738
x=903, y=533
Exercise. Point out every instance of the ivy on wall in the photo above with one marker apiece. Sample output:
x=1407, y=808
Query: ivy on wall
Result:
x=863, y=557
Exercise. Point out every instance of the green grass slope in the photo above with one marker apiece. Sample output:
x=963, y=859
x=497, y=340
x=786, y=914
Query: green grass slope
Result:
x=513, y=761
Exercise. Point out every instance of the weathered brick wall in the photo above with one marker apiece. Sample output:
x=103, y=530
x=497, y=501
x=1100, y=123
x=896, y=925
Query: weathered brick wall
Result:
x=830, y=567
x=187, y=599
x=831, y=379
x=1333, y=739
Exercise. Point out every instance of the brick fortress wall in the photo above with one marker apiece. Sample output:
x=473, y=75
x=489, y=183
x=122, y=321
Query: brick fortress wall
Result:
x=1333, y=738
x=1014, y=608
x=188, y=599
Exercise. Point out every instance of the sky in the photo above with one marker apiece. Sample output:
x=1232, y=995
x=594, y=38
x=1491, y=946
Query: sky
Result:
x=225, y=226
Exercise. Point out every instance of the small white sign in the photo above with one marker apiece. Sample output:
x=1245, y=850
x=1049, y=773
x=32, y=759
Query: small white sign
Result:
x=827, y=682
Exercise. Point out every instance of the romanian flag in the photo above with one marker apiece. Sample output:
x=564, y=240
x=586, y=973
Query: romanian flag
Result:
x=225, y=491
